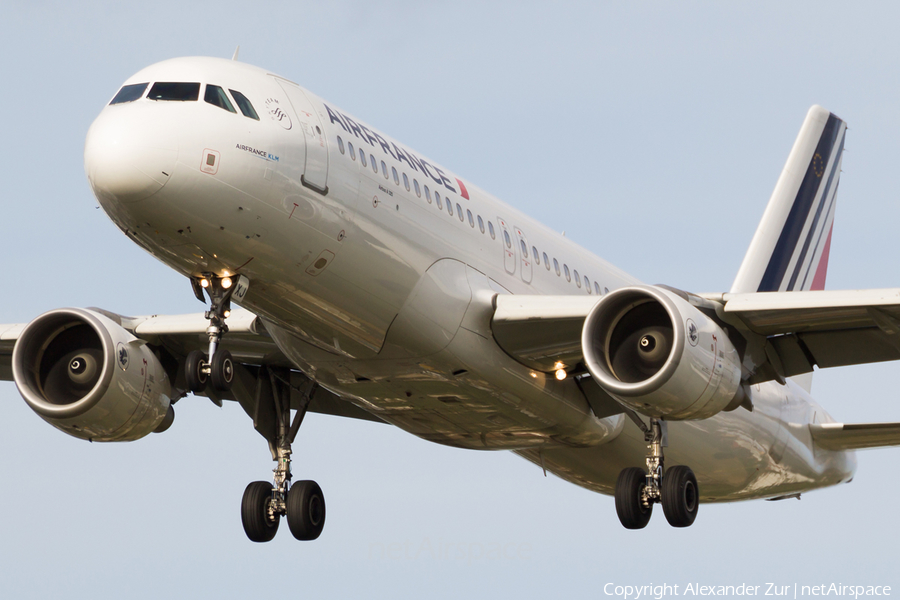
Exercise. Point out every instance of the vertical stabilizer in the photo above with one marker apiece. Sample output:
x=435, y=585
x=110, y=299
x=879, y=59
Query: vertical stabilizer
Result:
x=789, y=251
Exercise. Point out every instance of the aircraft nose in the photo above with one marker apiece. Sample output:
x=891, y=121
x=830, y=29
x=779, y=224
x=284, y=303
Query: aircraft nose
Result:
x=128, y=156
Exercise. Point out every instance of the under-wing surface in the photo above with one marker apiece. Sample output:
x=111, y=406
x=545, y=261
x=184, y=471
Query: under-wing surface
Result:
x=346, y=274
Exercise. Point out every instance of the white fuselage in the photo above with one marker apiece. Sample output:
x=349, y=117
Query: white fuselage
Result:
x=384, y=297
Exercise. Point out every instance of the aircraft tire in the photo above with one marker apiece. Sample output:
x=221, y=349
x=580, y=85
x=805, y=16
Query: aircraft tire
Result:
x=632, y=513
x=306, y=510
x=193, y=371
x=221, y=370
x=254, y=512
x=680, y=496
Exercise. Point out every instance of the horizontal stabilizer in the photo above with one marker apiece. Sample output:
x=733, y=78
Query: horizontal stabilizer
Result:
x=855, y=436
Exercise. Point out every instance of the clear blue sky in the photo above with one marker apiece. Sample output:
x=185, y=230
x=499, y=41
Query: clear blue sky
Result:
x=651, y=132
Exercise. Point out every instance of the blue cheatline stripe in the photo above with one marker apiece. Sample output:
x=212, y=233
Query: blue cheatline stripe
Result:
x=823, y=235
x=793, y=226
x=814, y=232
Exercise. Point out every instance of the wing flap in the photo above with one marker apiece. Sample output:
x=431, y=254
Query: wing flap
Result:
x=774, y=313
x=855, y=436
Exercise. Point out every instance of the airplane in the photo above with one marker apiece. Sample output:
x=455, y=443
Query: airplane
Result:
x=347, y=274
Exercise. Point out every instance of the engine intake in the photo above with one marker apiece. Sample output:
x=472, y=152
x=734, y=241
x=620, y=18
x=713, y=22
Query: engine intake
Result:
x=656, y=353
x=86, y=375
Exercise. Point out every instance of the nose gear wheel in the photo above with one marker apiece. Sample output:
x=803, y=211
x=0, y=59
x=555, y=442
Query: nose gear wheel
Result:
x=216, y=367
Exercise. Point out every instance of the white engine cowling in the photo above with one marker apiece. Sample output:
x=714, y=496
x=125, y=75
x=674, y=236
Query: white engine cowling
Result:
x=656, y=353
x=87, y=376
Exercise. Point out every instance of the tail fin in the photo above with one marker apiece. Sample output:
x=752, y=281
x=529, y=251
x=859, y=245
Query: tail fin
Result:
x=789, y=251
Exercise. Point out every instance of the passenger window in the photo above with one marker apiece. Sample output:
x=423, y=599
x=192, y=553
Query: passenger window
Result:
x=384, y=170
x=129, y=93
x=597, y=288
x=418, y=191
x=506, y=239
x=605, y=290
x=534, y=252
x=362, y=157
x=566, y=271
x=406, y=182
x=546, y=261
x=491, y=230
x=440, y=204
x=556, y=266
x=480, y=223
x=587, y=284
x=449, y=207
x=340, y=144
x=216, y=96
x=174, y=92
x=396, y=177
x=351, y=150
x=244, y=105
x=459, y=212
x=374, y=163
x=577, y=279
x=428, y=194
x=524, y=249
x=471, y=219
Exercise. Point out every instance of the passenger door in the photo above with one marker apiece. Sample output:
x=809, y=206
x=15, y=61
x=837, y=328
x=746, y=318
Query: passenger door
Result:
x=315, y=173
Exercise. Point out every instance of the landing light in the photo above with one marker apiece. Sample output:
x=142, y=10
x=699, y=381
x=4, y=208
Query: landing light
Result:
x=560, y=374
x=204, y=283
x=226, y=283
x=227, y=313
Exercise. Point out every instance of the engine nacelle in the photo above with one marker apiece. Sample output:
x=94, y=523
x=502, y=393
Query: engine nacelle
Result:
x=86, y=375
x=656, y=353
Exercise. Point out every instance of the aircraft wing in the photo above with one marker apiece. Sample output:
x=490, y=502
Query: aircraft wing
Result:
x=819, y=328
x=855, y=436
x=806, y=329
x=247, y=340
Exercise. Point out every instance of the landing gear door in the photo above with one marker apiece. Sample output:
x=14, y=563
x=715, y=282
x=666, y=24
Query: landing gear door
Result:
x=315, y=173
x=509, y=247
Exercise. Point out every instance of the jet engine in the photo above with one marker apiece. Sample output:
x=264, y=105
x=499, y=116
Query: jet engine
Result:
x=86, y=375
x=659, y=355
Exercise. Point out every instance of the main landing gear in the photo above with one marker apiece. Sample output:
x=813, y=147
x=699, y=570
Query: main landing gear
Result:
x=264, y=503
x=637, y=490
x=215, y=367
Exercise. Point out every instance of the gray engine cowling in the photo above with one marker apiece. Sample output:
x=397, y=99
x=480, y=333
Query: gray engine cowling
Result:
x=659, y=355
x=87, y=376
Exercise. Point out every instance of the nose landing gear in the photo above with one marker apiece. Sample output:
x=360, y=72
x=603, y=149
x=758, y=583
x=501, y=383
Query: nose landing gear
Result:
x=216, y=366
x=638, y=490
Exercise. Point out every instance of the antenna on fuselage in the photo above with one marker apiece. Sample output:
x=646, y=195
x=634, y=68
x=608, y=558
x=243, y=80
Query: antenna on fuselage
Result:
x=236, y=52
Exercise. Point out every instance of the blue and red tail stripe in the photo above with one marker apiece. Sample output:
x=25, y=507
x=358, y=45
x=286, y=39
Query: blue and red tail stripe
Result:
x=807, y=230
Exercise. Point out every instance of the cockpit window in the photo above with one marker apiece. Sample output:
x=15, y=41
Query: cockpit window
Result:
x=130, y=93
x=216, y=96
x=178, y=92
x=244, y=105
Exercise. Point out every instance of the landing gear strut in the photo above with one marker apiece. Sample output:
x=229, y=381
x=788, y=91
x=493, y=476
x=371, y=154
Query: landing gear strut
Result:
x=264, y=503
x=637, y=490
x=216, y=366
